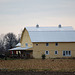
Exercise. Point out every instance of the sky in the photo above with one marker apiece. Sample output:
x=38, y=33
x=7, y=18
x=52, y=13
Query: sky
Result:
x=17, y=14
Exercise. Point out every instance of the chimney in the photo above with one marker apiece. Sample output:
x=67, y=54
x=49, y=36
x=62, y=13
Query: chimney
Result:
x=59, y=26
x=37, y=26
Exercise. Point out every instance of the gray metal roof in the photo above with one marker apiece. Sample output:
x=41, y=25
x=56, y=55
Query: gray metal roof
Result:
x=51, y=34
x=69, y=28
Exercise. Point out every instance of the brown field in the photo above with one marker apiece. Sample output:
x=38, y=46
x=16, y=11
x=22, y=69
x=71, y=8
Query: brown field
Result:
x=60, y=65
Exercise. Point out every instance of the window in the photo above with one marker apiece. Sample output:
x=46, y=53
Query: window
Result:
x=56, y=44
x=66, y=53
x=26, y=44
x=63, y=53
x=47, y=44
x=36, y=44
x=46, y=52
x=69, y=53
x=56, y=52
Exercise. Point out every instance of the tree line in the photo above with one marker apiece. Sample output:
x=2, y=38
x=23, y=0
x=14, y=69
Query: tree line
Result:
x=7, y=42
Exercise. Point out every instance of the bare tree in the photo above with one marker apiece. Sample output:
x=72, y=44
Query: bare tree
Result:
x=1, y=46
x=19, y=35
x=10, y=41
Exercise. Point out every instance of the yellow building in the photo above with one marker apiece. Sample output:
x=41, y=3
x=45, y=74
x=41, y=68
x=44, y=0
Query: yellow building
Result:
x=54, y=42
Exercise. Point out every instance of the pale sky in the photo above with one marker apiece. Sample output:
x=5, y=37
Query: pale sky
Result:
x=17, y=14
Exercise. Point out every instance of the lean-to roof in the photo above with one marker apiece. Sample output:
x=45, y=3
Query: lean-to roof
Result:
x=20, y=48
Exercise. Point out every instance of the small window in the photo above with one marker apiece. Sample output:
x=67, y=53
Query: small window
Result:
x=46, y=52
x=26, y=44
x=56, y=44
x=36, y=44
x=47, y=44
x=56, y=52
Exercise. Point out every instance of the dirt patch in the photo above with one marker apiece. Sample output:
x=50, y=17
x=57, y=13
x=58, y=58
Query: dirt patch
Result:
x=61, y=65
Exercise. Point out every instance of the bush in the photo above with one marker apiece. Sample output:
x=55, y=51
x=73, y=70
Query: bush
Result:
x=43, y=56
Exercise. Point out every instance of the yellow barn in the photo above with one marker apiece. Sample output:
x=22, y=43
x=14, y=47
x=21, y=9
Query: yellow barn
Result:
x=54, y=42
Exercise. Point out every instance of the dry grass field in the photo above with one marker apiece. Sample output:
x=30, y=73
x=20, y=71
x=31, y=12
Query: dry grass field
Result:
x=38, y=64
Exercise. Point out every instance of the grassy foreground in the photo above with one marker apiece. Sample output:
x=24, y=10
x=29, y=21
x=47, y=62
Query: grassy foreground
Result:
x=61, y=65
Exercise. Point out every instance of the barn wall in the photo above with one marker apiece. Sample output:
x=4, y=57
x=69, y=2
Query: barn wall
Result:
x=41, y=48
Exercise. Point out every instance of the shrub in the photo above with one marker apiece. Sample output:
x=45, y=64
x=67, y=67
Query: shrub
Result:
x=43, y=56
